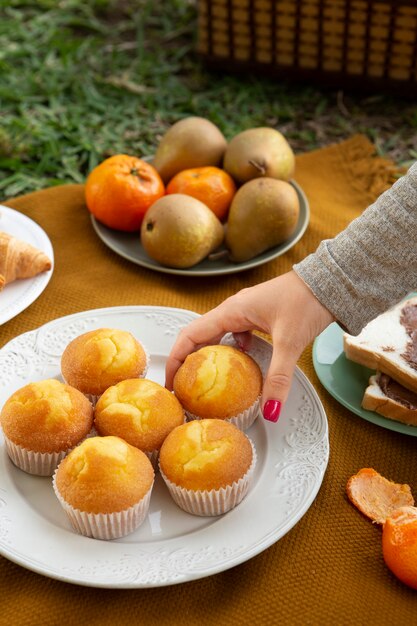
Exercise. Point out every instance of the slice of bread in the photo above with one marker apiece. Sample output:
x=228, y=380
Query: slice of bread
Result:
x=399, y=405
x=383, y=343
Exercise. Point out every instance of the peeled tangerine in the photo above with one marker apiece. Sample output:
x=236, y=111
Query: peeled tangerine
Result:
x=180, y=231
x=264, y=213
x=389, y=504
x=399, y=544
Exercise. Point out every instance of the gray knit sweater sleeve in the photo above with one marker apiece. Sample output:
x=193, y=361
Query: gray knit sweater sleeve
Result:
x=371, y=264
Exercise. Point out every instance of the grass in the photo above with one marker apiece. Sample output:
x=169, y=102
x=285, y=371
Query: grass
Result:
x=80, y=81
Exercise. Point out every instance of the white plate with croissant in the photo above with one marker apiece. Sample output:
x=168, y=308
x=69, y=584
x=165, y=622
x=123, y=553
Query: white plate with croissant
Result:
x=26, y=262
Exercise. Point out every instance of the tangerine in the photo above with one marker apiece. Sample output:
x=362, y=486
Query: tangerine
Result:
x=121, y=189
x=210, y=185
x=399, y=544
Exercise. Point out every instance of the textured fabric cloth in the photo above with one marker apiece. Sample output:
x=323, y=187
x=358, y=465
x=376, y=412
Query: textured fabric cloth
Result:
x=372, y=264
x=328, y=569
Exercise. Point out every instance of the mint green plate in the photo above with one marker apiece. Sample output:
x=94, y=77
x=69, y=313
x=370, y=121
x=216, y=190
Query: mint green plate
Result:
x=345, y=380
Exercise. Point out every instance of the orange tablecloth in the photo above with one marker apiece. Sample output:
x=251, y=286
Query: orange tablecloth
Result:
x=329, y=568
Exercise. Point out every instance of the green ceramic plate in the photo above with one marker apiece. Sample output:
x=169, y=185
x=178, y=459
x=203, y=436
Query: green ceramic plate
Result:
x=346, y=381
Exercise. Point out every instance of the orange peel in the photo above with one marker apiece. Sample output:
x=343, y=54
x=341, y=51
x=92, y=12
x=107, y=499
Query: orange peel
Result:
x=376, y=496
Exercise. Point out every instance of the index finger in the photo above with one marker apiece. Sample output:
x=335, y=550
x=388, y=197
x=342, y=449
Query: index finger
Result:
x=200, y=332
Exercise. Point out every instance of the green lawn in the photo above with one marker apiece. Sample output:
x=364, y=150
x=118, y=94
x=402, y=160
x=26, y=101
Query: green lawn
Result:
x=80, y=81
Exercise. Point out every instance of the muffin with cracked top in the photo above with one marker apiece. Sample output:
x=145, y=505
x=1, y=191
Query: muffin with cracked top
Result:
x=104, y=486
x=220, y=382
x=99, y=358
x=140, y=411
x=207, y=465
x=42, y=421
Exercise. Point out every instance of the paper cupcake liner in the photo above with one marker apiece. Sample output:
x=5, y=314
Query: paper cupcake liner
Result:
x=36, y=463
x=93, y=398
x=153, y=456
x=243, y=420
x=39, y=463
x=105, y=525
x=92, y=433
x=215, y=501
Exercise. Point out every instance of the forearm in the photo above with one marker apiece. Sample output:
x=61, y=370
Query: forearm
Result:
x=372, y=263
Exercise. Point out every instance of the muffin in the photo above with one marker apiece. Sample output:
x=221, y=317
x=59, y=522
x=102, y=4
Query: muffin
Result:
x=95, y=360
x=220, y=382
x=41, y=422
x=104, y=486
x=207, y=465
x=139, y=411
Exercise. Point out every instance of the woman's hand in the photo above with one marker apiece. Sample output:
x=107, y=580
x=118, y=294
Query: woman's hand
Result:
x=284, y=308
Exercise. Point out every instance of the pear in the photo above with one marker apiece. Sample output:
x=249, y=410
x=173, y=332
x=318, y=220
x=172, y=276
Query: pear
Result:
x=191, y=142
x=179, y=231
x=264, y=213
x=259, y=152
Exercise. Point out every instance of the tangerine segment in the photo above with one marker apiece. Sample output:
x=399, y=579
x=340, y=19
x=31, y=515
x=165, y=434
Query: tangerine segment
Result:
x=210, y=185
x=399, y=544
x=120, y=190
x=375, y=496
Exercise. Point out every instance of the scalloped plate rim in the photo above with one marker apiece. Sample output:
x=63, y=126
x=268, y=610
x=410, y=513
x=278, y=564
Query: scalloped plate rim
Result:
x=272, y=434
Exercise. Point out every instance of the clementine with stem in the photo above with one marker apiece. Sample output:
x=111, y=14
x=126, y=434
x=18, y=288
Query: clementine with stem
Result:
x=121, y=189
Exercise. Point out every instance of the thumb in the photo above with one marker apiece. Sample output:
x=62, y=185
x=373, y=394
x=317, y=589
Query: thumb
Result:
x=278, y=381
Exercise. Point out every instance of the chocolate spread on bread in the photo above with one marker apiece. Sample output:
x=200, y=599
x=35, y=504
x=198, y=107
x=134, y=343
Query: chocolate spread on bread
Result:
x=409, y=320
x=397, y=392
x=390, y=387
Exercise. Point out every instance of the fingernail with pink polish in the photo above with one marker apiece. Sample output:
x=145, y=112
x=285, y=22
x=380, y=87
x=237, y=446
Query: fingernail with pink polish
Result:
x=272, y=409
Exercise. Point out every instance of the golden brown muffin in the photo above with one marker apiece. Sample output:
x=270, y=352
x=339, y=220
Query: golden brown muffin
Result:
x=139, y=411
x=104, y=486
x=205, y=454
x=46, y=416
x=104, y=475
x=218, y=382
x=95, y=360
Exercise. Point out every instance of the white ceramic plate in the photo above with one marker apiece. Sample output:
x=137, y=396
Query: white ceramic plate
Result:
x=171, y=546
x=18, y=295
x=128, y=246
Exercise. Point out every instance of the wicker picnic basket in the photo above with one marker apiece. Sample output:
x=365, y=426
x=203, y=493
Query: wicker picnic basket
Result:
x=345, y=43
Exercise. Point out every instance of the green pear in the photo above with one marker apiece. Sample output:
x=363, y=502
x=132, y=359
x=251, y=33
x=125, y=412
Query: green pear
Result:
x=259, y=152
x=179, y=231
x=191, y=142
x=264, y=213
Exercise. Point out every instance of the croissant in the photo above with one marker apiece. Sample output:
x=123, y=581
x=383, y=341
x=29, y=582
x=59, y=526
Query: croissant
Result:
x=19, y=259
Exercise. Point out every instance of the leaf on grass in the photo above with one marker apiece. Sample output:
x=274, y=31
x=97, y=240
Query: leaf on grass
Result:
x=122, y=82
